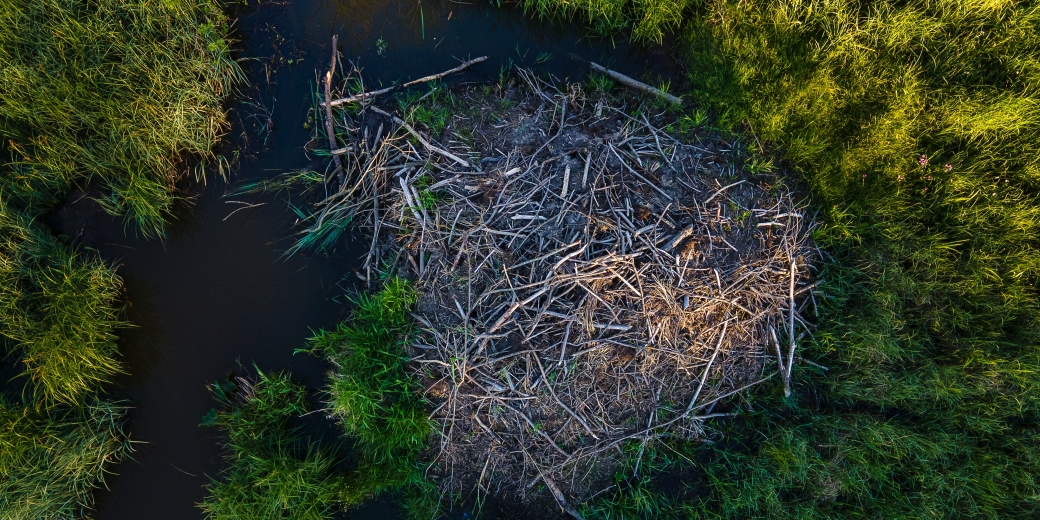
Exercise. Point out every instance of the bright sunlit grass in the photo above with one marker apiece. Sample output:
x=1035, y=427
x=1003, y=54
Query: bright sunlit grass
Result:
x=58, y=311
x=915, y=127
x=124, y=92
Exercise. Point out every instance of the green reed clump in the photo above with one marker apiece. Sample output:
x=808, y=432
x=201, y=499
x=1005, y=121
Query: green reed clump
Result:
x=916, y=128
x=118, y=91
x=648, y=20
x=58, y=311
x=273, y=473
x=376, y=400
x=637, y=491
x=431, y=109
x=52, y=461
x=58, y=314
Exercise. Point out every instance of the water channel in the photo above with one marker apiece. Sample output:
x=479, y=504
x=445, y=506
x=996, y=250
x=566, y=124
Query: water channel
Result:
x=216, y=293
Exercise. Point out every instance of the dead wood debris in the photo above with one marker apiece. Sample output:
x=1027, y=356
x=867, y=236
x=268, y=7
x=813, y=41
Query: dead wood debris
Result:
x=586, y=279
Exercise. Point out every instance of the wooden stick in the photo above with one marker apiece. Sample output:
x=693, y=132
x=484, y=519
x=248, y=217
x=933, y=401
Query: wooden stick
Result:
x=375, y=234
x=566, y=181
x=374, y=93
x=424, y=142
x=411, y=203
x=790, y=332
x=329, y=128
x=711, y=361
x=722, y=189
x=779, y=352
x=585, y=176
x=569, y=509
x=633, y=83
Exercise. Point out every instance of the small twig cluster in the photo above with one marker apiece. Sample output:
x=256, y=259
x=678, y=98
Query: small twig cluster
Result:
x=586, y=287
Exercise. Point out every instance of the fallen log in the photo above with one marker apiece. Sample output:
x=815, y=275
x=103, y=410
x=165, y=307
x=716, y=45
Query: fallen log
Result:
x=365, y=95
x=633, y=83
x=329, y=127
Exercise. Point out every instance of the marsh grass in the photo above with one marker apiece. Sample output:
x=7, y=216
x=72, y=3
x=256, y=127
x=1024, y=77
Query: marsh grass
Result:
x=377, y=402
x=641, y=496
x=648, y=20
x=916, y=127
x=58, y=311
x=431, y=109
x=274, y=471
x=117, y=94
x=58, y=316
x=301, y=182
x=117, y=91
x=52, y=461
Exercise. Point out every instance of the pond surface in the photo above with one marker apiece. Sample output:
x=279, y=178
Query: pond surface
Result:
x=216, y=295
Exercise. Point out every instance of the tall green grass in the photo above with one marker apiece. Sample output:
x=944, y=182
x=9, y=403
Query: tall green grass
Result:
x=915, y=127
x=122, y=95
x=121, y=92
x=58, y=311
x=649, y=20
x=274, y=472
x=377, y=401
x=52, y=461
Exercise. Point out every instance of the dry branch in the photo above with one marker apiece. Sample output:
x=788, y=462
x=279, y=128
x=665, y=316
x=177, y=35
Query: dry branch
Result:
x=634, y=83
x=329, y=127
x=420, y=138
x=433, y=77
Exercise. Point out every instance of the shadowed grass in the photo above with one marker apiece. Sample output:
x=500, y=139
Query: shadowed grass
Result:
x=51, y=462
x=639, y=496
x=431, y=109
x=378, y=403
x=916, y=128
x=119, y=91
x=274, y=473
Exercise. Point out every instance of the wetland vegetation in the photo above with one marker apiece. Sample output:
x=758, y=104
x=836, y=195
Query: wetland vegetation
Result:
x=273, y=470
x=117, y=96
x=915, y=127
x=912, y=128
x=576, y=289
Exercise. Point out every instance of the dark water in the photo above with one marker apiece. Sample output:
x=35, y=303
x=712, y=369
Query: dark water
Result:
x=215, y=294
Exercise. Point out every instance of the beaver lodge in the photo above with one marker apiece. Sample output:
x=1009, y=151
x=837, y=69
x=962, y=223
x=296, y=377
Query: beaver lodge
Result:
x=588, y=279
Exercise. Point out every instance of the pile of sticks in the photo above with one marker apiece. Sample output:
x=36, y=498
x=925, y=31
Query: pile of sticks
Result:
x=588, y=282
